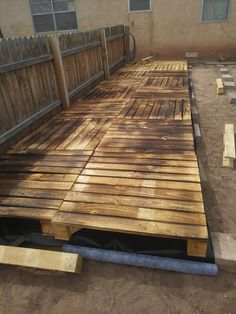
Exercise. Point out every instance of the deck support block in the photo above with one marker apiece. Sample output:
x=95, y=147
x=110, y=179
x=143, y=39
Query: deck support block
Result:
x=197, y=248
x=46, y=227
x=62, y=232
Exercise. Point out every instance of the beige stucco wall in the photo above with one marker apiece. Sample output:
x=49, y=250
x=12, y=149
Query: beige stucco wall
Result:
x=172, y=28
x=15, y=18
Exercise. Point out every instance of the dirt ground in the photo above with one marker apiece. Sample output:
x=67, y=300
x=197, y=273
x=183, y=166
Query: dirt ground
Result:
x=107, y=288
x=214, y=111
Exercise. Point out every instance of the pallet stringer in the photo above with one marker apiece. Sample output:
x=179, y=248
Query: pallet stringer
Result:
x=197, y=248
x=63, y=232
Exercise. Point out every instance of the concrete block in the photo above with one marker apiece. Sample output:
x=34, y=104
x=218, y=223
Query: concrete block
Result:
x=224, y=71
x=232, y=98
x=224, y=245
x=227, y=78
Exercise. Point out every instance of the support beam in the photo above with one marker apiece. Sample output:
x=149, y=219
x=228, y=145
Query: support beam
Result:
x=42, y=259
x=229, y=154
x=60, y=73
x=127, y=45
x=105, y=53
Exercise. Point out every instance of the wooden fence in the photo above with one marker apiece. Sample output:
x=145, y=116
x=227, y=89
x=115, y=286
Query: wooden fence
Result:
x=41, y=73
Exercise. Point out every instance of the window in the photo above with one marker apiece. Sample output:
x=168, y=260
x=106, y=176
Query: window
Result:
x=214, y=10
x=53, y=15
x=139, y=5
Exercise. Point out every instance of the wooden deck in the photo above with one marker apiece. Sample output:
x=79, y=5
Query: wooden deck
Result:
x=121, y=159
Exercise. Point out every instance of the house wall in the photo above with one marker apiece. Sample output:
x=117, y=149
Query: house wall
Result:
x=15, y=18
x=171, y=29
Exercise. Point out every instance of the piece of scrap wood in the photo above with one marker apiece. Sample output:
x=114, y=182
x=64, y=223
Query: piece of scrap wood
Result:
x=42, y=259
x=229, y=146
x=146, y=60
x=220, y=86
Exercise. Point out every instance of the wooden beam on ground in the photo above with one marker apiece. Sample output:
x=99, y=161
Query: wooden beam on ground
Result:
x=105, y=53
x=220, y=86
x=42, y=259
x=59, y=70
x=229, y=153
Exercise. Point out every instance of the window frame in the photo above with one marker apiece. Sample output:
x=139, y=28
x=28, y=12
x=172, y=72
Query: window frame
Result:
x=53, y=13
x=140, y=11
x=215, y=20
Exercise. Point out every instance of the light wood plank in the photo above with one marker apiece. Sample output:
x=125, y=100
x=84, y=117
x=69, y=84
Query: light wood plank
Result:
x=42, y=259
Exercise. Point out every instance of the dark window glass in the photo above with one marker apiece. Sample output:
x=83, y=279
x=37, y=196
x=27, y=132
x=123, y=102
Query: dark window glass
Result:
x=139, y=5
x=66, y=21
x=215, y=10
x=40, y=6
x=44, y=23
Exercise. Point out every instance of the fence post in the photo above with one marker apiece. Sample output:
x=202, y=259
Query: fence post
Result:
x=59, y=69
x=127, y=45
x=105, y=53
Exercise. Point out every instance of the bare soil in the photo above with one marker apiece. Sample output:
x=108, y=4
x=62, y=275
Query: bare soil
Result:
x=107, y=288
x=215, y=111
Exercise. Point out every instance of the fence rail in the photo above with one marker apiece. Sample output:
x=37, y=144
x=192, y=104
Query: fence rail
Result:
x=40, y=73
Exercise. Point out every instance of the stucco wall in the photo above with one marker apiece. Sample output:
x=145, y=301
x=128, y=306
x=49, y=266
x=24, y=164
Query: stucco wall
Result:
x=172, y=28
x=15, y=18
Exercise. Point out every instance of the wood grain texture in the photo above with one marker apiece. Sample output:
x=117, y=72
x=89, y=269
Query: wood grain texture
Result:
x=42, y=259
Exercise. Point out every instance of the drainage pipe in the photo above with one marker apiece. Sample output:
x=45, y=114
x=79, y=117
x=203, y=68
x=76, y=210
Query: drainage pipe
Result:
x=140, y=260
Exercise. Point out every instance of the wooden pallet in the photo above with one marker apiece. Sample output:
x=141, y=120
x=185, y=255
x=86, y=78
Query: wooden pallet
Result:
x=120, y=159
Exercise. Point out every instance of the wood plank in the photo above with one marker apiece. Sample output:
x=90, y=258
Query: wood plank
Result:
x=42, y=259
x=26, y=212
x=144, y=168
x=142, y=175
x=229, y=142
x=135, y=201
x=220, y=86
x=36, y=184
x=30, y=202
x=150, y=228
x=155, y=193
x=133, y=212
x=149, y=183
x=35, y=193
